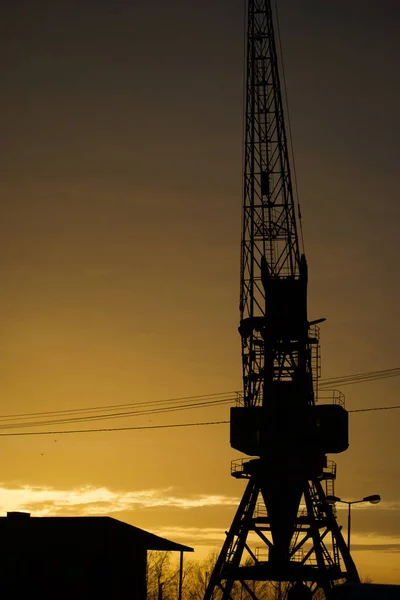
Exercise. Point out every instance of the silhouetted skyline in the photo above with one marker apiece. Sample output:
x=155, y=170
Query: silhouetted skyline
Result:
x=120, y=226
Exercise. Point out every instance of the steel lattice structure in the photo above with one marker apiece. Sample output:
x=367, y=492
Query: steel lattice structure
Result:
x=278, y=420
x=270, y=239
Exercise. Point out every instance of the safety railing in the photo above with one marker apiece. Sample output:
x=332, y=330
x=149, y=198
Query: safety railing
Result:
x=331, y=397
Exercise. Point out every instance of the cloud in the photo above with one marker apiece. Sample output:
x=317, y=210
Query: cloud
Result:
x=213, y=536
x=91, y=501
x=377, y=542
x=200, y=536
x=45, y=501
x=377, y=547
x=383, y=505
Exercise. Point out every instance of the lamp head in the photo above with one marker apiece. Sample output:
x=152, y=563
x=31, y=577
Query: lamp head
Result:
x=374, y=499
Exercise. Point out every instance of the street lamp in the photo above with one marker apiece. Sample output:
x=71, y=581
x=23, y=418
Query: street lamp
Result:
x=374, y=499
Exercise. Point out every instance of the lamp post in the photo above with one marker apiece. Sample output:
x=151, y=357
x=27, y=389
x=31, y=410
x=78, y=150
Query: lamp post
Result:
x=374, y=499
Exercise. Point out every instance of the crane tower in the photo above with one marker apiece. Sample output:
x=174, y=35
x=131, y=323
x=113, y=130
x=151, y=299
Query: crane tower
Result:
x=284, y=529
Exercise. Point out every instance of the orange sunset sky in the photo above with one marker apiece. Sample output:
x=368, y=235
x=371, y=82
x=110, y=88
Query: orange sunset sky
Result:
x=121, y=130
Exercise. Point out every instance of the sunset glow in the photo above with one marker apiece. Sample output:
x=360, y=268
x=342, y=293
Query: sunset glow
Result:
x=121, y=191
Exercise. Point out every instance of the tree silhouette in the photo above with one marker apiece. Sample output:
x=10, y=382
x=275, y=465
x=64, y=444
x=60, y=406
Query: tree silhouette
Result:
x=163, y=581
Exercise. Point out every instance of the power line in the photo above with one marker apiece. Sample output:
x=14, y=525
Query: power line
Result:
x=358, y=410
x=84, y=419
x=154, y=407
x=169, y=426
x=359, y=378
x=108, y=429
x=117, y=406
x=170, y=403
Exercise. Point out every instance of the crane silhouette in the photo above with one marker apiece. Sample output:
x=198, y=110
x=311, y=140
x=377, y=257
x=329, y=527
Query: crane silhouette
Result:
x=278, y=423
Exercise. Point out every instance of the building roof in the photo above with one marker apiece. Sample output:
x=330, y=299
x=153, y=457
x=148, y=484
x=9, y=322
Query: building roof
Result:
x=85, y=526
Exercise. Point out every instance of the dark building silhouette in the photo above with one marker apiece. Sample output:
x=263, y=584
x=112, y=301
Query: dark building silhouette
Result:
x=75, y=557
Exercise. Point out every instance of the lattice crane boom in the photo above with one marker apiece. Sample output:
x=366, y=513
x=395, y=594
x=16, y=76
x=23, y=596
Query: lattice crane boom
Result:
x=270, y=243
